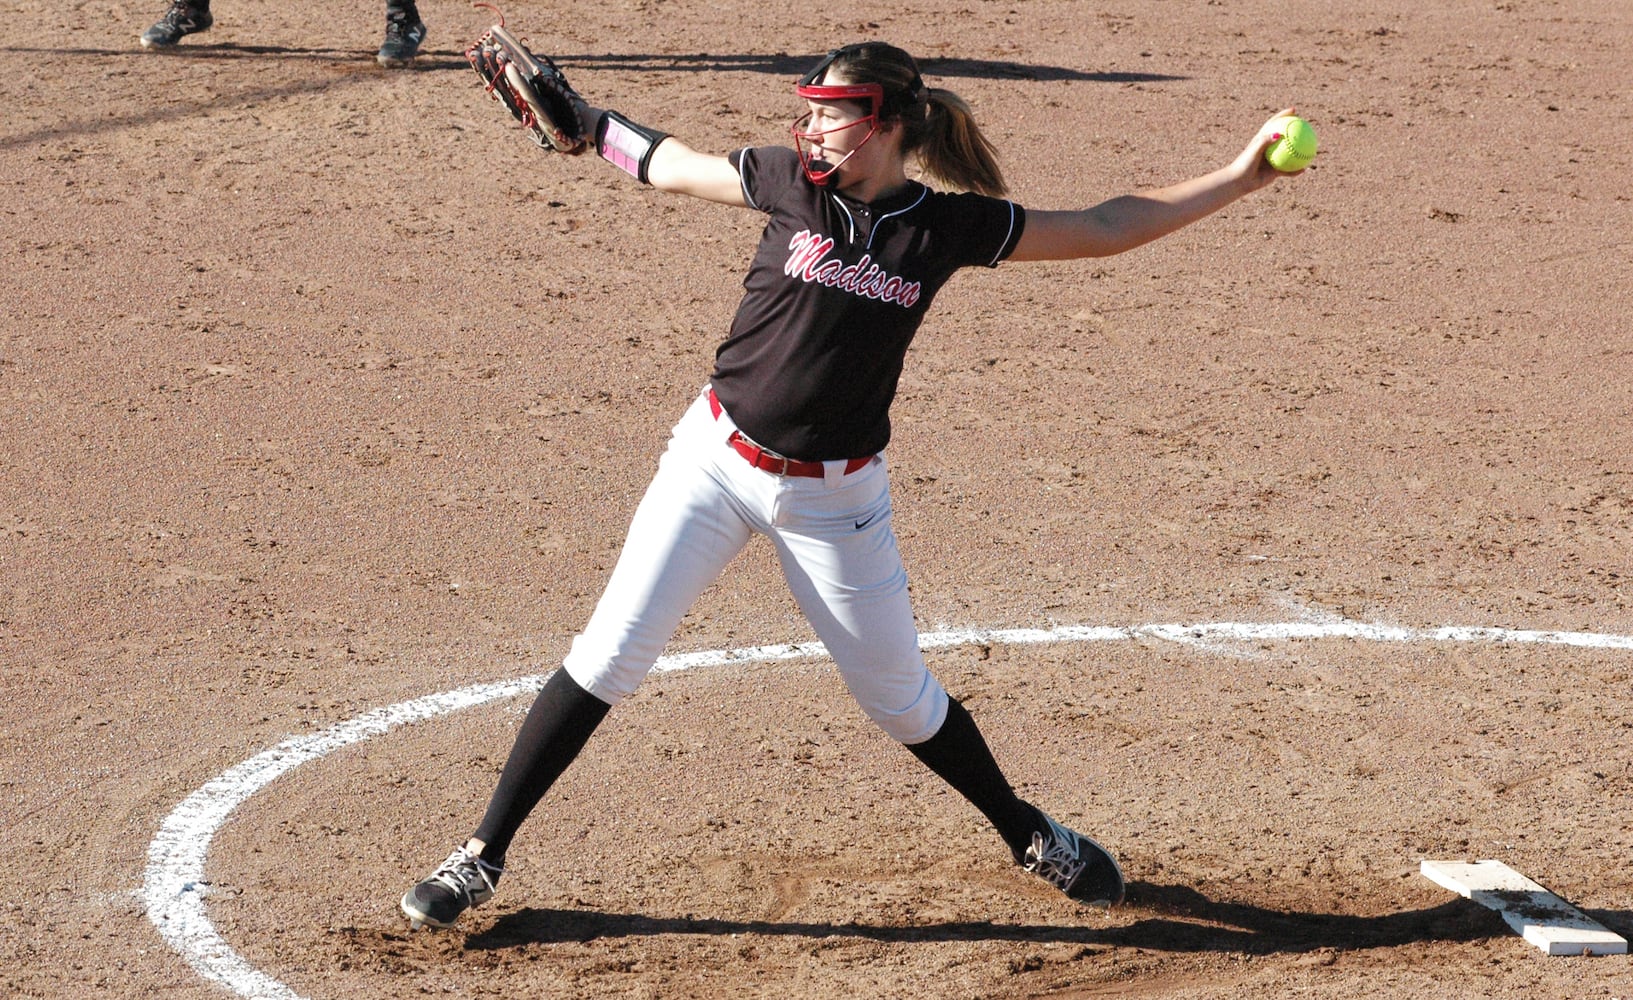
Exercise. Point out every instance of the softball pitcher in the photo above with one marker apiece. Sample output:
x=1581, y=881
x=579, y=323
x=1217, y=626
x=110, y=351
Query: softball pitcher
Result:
x=787, y=440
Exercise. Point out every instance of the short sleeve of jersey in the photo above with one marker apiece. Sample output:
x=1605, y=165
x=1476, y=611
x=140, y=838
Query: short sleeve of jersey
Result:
x=768, y=173
x=985, y=229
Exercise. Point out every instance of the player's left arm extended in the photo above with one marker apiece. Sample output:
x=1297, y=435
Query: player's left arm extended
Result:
x=662, y=160
x=1131, y=220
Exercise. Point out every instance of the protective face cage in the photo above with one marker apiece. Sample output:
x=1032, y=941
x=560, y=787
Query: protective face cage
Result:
x=820, y=172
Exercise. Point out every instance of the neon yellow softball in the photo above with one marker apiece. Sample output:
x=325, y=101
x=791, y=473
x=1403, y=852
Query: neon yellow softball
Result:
x=1296, y=147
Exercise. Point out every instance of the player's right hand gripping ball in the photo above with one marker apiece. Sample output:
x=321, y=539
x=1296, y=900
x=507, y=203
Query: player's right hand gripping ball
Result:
x=531, y=88
x=1294, y=146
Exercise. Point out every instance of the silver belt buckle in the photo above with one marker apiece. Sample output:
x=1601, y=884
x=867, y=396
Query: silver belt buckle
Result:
x=762, y=452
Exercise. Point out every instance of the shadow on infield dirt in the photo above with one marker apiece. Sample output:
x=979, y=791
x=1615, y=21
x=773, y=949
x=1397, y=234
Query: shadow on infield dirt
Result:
x=1165, y=918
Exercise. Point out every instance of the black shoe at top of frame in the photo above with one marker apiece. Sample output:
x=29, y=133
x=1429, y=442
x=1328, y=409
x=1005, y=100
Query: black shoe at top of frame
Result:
x=404, y=33
x=1074, y=864
x=183, y=18
x=459, y=883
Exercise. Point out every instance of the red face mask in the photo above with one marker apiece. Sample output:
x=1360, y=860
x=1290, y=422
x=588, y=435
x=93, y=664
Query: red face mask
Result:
x=818, y=171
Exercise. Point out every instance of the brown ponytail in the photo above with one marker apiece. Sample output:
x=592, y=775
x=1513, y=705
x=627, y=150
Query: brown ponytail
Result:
x=938, y=127
x=952, y=149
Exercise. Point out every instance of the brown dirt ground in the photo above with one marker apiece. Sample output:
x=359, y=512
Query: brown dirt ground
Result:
x=323, y=390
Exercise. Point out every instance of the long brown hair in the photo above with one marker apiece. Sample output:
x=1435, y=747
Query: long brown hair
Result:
x=939, y=129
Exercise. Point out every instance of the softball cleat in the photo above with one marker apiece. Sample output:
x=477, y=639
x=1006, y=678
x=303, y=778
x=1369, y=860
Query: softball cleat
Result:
x=404, y=33
x=459, y=883
x=184, y=17
x=1074, y=864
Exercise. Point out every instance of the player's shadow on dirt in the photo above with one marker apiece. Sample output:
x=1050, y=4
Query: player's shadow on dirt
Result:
x=793, y=66
x=358, y=66
x=781, y=64
x=359, y=59
x=164, y=111
x=1166, y=918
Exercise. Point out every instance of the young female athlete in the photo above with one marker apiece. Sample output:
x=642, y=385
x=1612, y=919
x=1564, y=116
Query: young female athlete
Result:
x=787, y=439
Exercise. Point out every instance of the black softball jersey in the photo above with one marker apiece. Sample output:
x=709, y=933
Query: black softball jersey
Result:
x=835, y=293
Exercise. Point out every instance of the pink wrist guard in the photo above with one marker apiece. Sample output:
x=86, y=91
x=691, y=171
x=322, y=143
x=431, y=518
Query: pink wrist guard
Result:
x=626, y=145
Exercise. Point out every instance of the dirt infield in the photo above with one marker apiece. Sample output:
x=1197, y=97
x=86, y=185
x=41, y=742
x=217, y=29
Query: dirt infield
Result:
x=324, y=391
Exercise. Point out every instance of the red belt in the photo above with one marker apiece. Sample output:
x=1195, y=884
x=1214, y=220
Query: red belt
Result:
x=778, y=465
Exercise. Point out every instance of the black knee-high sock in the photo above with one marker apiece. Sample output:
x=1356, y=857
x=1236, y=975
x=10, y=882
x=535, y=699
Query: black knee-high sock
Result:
x=556, y=728
x=959, y=755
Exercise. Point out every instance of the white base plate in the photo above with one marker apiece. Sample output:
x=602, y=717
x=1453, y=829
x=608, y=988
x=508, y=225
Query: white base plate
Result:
x=1536, y=914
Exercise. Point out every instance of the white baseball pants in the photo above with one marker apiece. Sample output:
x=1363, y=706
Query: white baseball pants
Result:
x=838, y=552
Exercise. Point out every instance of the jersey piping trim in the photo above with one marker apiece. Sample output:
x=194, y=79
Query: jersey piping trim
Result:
x=924, y=193
x=1007, y=236
x=850, y=220
x=742, y=181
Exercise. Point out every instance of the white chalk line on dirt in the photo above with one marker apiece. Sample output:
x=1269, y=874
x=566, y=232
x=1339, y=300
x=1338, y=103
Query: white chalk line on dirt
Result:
x=174, y=886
